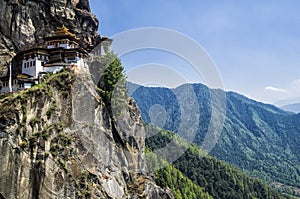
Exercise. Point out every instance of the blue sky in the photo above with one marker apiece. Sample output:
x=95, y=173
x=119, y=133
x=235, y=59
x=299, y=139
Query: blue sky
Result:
x=255, y=44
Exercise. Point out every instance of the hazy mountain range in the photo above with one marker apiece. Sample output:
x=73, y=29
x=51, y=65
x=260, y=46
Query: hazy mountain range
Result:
x=292, y=107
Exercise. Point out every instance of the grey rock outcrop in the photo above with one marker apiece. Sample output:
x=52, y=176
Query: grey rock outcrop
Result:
x=59, y=141
x=24, y=22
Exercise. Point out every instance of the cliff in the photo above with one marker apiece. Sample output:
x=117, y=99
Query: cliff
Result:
x=24, y=22
x=58, y=140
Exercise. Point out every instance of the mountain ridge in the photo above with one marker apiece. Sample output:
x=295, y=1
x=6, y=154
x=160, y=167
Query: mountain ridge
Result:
x=255, y=136
x=133, y=86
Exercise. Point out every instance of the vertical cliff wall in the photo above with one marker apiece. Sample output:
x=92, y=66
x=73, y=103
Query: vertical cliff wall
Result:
x=58, y=140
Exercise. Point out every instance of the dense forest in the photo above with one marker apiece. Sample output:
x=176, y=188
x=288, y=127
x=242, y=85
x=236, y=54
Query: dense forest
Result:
x=210, y=177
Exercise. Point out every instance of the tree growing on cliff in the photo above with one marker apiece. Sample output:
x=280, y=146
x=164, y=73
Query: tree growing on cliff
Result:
x=112, y=83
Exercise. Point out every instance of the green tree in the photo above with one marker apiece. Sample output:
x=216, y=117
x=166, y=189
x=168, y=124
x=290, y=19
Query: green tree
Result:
x=112, y=83
x=112, y=89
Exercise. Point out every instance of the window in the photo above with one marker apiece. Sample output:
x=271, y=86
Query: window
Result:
x=33, y=63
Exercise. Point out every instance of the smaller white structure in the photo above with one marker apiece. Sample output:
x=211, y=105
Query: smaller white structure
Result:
x=32, y=67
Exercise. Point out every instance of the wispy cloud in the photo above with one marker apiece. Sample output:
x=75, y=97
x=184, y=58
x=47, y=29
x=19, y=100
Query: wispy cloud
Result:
x=274, y=89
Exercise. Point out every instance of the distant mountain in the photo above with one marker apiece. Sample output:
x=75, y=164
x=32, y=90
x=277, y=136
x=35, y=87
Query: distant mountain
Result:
x=260, y=139
x=292, y=108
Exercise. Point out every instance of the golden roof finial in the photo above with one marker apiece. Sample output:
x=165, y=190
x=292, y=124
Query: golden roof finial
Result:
x=63, y=31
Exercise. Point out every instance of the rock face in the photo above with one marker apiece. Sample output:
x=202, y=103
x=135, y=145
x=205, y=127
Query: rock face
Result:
x=24, y=22
x=59, y=141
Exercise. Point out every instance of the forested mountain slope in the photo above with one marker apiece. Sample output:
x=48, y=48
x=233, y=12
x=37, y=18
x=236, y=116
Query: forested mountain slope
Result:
x=216, y=178
x=258, y=138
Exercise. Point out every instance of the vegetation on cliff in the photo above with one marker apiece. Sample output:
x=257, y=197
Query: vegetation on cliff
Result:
x=34, y=131
x=65, y=147
x=112, y=83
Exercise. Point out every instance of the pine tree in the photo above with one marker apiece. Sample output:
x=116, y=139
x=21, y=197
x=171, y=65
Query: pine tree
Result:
x=112, y=84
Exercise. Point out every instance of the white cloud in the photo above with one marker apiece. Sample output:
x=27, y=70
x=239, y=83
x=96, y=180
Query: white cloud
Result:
x=274, y=89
